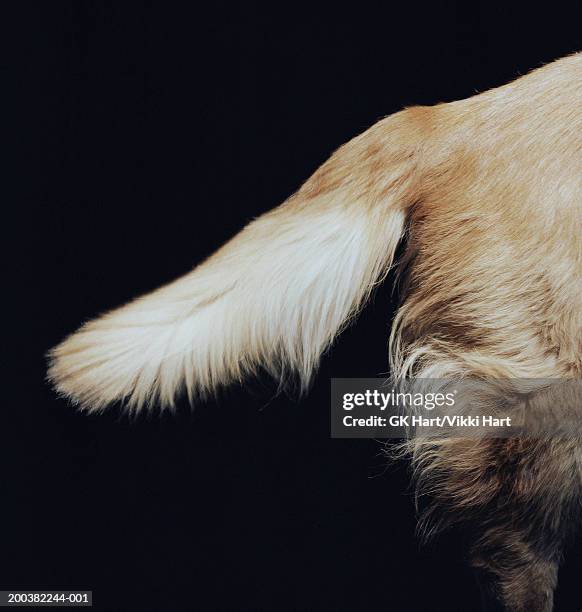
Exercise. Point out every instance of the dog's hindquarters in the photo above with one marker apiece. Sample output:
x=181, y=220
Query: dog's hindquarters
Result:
x=490, y=188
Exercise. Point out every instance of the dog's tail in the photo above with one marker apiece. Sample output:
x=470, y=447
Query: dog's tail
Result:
x=274, y=296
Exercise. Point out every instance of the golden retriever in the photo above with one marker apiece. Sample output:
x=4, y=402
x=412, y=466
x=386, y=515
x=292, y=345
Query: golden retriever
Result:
x=486, y=196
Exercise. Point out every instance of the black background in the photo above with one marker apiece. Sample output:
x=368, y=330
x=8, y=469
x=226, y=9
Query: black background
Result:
x=158, y=131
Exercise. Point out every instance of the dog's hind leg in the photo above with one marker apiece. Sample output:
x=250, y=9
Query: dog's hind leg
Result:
x=519, y=543
x=518, y=498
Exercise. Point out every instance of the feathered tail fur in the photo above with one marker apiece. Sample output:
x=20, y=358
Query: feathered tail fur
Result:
x=274, y=296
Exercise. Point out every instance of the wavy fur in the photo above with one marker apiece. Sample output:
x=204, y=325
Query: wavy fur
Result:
x=274, y=296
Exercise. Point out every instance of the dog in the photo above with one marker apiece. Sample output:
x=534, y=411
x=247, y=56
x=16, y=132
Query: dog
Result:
x=485, y=195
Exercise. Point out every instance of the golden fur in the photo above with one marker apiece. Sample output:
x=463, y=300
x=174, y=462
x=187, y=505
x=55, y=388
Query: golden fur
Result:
x=487, y=193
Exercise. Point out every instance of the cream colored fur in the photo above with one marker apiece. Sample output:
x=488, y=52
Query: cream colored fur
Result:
x=275, y=296
x=490, y=188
